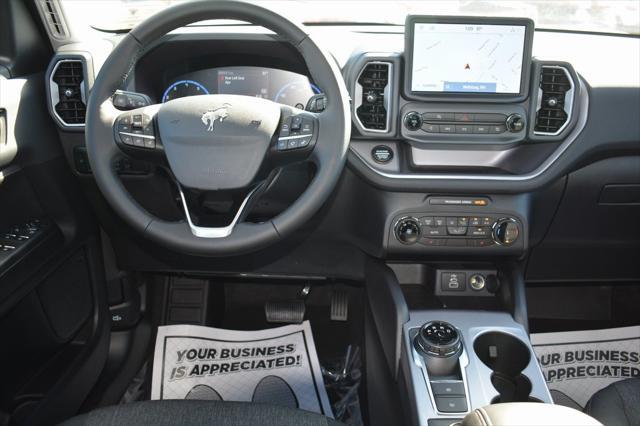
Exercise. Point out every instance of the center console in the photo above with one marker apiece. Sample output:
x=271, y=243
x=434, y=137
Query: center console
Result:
x=461, y=128
x=455, y=361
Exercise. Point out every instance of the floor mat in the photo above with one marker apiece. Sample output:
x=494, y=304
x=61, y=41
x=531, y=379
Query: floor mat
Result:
x=277, y=366
x=577, y=364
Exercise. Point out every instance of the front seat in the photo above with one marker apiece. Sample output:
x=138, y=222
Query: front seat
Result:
x=192, y=412
x=618, y=404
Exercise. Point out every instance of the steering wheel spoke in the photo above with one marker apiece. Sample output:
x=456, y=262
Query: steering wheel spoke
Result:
x=251, y=197
x=135, y=133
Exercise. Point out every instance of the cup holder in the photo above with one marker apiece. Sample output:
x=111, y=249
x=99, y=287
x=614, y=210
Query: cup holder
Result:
x=507, y=356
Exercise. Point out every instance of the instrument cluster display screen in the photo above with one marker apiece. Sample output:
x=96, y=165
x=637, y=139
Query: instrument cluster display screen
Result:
x=467, y=58
x=277, y=85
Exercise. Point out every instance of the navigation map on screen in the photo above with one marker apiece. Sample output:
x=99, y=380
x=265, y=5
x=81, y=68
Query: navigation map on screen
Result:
x=467, y=58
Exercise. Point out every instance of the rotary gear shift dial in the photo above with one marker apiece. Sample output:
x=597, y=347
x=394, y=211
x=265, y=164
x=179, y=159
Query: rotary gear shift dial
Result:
x=439, y=344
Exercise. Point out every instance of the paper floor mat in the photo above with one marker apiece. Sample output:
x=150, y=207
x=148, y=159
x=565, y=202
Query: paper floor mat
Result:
x=277, y=366
x=577, y=364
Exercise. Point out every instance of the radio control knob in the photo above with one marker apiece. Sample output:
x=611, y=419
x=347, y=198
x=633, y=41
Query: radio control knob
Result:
x=413, y=121
x=515, y=123
x=407, y=230
x=506, y=231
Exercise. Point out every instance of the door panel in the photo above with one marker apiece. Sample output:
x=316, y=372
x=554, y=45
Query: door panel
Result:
x=54, y=325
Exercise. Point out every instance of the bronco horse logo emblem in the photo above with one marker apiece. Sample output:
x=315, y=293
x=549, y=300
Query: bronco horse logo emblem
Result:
x=210, y=116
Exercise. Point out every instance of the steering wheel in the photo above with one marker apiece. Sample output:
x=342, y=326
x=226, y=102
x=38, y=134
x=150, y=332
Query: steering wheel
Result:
x=218, y=142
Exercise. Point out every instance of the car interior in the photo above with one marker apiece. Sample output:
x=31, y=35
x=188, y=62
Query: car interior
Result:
x=444, y=197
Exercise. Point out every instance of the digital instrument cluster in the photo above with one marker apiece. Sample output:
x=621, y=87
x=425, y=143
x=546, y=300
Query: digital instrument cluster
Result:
x=277, y=85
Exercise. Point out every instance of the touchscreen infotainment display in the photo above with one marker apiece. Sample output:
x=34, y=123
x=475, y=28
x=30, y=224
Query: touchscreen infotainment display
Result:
x=467, y=58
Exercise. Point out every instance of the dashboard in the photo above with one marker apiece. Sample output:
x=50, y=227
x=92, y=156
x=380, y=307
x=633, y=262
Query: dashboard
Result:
x=281, y=86
x=456, y=121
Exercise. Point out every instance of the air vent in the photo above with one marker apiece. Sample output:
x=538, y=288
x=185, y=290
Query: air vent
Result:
x=372, y=96
x=53, y=18
x=555, y=98
x=68, y=92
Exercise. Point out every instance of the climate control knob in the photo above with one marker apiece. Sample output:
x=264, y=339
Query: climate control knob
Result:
x=413, y=121
x=506, y=231
x=407, y=230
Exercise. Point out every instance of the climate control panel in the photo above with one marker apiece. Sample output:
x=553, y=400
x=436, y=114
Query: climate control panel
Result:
x=456, y=230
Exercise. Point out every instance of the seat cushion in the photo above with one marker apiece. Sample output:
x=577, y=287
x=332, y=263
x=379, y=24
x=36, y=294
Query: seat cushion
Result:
x=618, y=404
x=193, y=412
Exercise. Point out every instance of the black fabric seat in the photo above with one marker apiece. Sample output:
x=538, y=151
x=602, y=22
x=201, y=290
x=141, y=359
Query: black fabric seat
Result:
x=191, y=412
x=618, y=404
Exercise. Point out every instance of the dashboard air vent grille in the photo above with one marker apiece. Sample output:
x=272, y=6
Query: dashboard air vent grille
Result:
x=555, y=104
x=52, y=17
x=373, y=102
x=67, y=87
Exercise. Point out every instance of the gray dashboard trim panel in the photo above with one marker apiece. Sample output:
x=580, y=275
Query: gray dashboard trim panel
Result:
x=583, y=103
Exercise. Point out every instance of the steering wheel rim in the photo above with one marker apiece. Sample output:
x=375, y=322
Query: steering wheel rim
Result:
x=329, y=153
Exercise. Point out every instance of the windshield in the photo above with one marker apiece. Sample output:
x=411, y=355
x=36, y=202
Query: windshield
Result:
x=610, y=16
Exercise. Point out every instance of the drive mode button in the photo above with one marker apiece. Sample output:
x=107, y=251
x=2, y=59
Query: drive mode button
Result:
x=451, y=404
x=448, y=388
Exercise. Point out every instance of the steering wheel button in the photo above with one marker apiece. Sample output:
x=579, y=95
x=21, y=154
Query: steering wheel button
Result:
x=139, y=101
x=292, y=143
x=304, y=141
x=136, y=121
x=307, y=127
x=138, y=141
x=126, y=139
x=120, y=101
x=149, y=143
x=282, y=145
x=296, y=123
